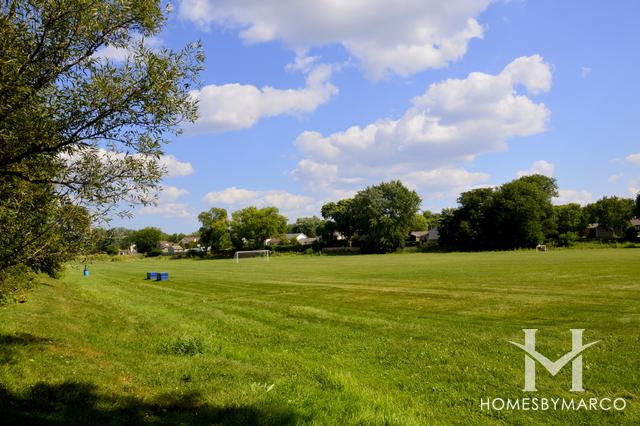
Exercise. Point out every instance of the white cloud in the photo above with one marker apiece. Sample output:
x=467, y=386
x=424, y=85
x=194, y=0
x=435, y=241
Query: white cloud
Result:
x=615, y=178
x=385, y=36
x=237, y=106
x=633, y=159
x=120, y=54
x=566, y=196
x=539, y=167
x=457, y=180
x=291, y=205
x=452, y=122
x=174, y=167
x=167, y=210
x=166, y=205
x=585, y=71
x=171, y=193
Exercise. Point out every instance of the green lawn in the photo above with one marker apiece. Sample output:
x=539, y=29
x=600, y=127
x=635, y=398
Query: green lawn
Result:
x=394, y=339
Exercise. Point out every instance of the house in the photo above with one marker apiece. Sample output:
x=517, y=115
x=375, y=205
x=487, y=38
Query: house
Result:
x=131, y=250
x=301, y=238
x=175, y=248
x=189, y=242
x=426, y=237
x=635, y=222
x=418, y=236
x=434, y=236
x=298, y=236
x=595, y=230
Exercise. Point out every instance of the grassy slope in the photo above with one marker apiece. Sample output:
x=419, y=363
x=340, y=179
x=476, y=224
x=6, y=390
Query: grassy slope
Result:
x=396, y=339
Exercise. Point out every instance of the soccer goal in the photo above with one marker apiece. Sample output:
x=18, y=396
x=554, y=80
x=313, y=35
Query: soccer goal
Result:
x=251, y=253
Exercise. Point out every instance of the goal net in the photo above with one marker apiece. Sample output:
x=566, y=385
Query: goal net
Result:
x=264, y=254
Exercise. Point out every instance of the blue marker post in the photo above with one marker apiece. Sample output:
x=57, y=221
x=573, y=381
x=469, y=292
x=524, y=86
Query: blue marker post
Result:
x=86, y=271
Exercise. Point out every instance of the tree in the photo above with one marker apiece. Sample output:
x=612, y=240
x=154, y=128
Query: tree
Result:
x=78, y=129
x=251, y=226
x=613, y=213
x=419, y=223
x=147, y=239
x=214, y=232
x=341, y=217
x=636, y=207
x=518, y=214
x=469, y=226
x=433, y=219
x=522, y=212
x=384, y=214
x=307, y=225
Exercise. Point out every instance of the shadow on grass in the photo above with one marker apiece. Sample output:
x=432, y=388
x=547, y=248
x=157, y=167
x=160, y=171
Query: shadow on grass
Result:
x=10, y=343
x=73, y=403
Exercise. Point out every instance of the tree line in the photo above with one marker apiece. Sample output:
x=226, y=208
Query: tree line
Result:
x=379, y=218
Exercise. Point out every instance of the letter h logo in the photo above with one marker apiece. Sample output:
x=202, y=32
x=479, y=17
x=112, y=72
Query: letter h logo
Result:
x=531, y=356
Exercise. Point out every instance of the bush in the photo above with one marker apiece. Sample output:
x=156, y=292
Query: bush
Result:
x=567, y=239
x=14, y=282
x=154, y=252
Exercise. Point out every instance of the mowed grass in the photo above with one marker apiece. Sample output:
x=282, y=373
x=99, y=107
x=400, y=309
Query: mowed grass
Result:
x=388, y=339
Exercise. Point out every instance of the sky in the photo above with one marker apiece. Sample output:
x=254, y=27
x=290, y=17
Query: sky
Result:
x=302, y=103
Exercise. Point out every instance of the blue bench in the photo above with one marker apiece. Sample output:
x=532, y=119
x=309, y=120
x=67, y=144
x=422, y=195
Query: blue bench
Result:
x=152, y=276
x=162, y=276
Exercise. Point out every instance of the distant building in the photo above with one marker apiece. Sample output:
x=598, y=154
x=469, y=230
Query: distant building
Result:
x=189, y=242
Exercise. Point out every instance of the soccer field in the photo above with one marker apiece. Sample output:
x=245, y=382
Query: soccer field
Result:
x=388, y=339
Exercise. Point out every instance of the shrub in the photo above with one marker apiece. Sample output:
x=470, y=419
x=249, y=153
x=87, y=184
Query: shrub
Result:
x=154, y=252
x=567, y=239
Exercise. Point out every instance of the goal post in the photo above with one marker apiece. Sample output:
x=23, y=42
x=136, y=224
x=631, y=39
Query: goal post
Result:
x=264, y=254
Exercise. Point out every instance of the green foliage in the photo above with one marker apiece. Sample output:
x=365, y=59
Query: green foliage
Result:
x=307, y=225
x=384, y=214
x=636, y=206
x=433, y=219
x=251, y=226
x=613, y=213
x=419, y=223
x=570, y=218
x=79, y=130
x=340, y=217
x=567, y=239
x=147, y=240
x=518, y=214
x=214, y=232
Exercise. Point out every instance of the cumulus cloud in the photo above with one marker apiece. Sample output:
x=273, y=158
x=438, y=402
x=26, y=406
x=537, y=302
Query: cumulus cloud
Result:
x=166, y=205
x=239, y=106
x=445, y=178
x=120, y=54
x=175, y=167
x=633, y=158
x=451, y=123
x=566, y=196
x=539, y=167
x=385, y=36
x=291, y=205
x=167, y=210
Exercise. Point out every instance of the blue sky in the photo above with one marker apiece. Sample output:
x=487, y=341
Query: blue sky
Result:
x=307, y=102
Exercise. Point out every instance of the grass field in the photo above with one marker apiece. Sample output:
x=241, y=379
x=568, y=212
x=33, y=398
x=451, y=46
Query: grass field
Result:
x=394, y=339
